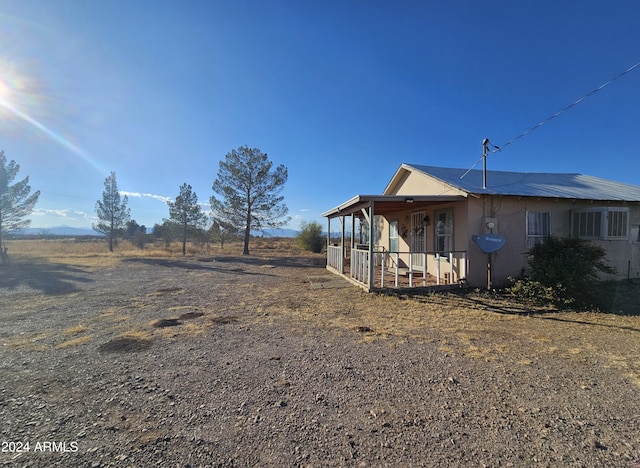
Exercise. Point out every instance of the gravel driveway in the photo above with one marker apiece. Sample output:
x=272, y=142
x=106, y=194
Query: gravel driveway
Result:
x=241, y=362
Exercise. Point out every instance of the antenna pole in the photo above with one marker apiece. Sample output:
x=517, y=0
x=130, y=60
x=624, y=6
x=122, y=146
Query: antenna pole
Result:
x=485, y=143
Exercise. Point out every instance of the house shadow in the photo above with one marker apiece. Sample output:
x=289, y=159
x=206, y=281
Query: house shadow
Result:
x=209, y=265
x=280, y=261
x=619, y=301
x=619, y=297
x=45, y=277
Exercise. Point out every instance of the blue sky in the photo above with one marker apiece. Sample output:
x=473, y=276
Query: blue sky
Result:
x=340, y=92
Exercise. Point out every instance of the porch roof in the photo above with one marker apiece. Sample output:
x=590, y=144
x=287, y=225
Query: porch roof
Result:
x=384, y=204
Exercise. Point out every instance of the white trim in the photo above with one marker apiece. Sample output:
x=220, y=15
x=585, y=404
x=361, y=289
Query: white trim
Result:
x=601, y=228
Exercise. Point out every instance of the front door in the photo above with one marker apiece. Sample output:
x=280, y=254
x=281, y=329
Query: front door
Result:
x=418, y=233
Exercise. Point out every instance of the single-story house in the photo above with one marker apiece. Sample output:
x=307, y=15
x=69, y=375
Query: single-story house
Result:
x=423, y=230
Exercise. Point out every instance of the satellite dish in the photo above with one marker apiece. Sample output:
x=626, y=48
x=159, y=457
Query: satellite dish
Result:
x=489, y=243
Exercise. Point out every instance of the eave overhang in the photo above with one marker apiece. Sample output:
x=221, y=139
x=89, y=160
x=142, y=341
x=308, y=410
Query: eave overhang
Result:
x=384, y=204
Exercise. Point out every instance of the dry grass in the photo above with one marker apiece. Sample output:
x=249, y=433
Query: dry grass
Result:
x=75, y=330
x=137, y=334
x=74, y=342
x=474, y=325
x=27, y=341
x=128, y=342
x=95, y=252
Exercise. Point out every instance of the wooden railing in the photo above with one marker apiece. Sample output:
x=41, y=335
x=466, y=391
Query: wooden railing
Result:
x=448, y=268
x=360, y=266
x=334, y=257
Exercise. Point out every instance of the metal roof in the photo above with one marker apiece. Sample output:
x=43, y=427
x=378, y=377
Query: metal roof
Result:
x=532, y=184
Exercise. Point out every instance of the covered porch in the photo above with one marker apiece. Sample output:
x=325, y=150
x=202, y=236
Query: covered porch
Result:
x=368, y=250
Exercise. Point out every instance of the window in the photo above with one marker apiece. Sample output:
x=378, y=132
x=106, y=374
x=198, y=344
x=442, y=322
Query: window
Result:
x=601, y=223
x=443, y=234
x=393, y=236
x=587, y=224
x=538, y=227
x=617, y=223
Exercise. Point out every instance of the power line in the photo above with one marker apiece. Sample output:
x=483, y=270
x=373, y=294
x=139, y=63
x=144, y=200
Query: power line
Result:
x=549, y=119
x=65, y=195
x=573, y=104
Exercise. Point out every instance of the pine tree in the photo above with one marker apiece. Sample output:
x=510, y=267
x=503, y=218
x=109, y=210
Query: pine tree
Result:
x=112, y=210
x=186, y=213
x=250, y=192
x=15, y=201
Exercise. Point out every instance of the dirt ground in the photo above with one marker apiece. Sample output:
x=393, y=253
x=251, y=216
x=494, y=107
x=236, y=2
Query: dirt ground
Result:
x=267, y=361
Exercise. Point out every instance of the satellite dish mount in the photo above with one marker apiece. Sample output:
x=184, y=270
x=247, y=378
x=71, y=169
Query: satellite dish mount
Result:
x=489, y=243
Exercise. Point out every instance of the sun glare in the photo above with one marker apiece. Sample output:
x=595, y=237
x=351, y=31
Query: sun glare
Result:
x=19, y=101
x=5, y=101
x=8, y=91
x=4, y=91
x=18, y=91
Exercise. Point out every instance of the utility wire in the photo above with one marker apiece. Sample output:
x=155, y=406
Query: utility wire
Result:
x=549, y=119
x=495, y=150
x=573, y=104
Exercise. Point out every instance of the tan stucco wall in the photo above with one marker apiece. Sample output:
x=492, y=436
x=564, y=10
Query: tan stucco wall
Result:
x=416, y=183
x=509, y=214
x=404, y=226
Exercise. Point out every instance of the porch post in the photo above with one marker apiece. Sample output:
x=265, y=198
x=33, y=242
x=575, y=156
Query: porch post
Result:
x=450, y=267
x=328, y=234
x=371, y=240
x=424, y=258
x=342, y=248
x=424, y=263
x=464, y=265
x=353, y=240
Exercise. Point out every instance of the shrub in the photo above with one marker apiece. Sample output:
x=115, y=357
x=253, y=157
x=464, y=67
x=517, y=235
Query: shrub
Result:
x=564, y=271
x=534, y=291
x=310, y=237
x=139, y=239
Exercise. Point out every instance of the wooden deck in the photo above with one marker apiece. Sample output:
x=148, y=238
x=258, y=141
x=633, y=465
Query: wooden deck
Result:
x=450, y=268
x=404, y=280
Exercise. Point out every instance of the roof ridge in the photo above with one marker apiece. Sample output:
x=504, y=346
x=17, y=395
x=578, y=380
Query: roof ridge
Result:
x=416, y=166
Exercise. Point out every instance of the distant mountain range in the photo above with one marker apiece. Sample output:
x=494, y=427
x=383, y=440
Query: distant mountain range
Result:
x=57, y=231
x=69, y=231
x=277, y=233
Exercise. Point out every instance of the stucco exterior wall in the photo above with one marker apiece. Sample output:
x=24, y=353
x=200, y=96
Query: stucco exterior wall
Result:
x=510, y=217
x=415, y=183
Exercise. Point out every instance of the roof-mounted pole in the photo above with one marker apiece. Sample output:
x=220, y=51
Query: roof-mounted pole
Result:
x=485, y=143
